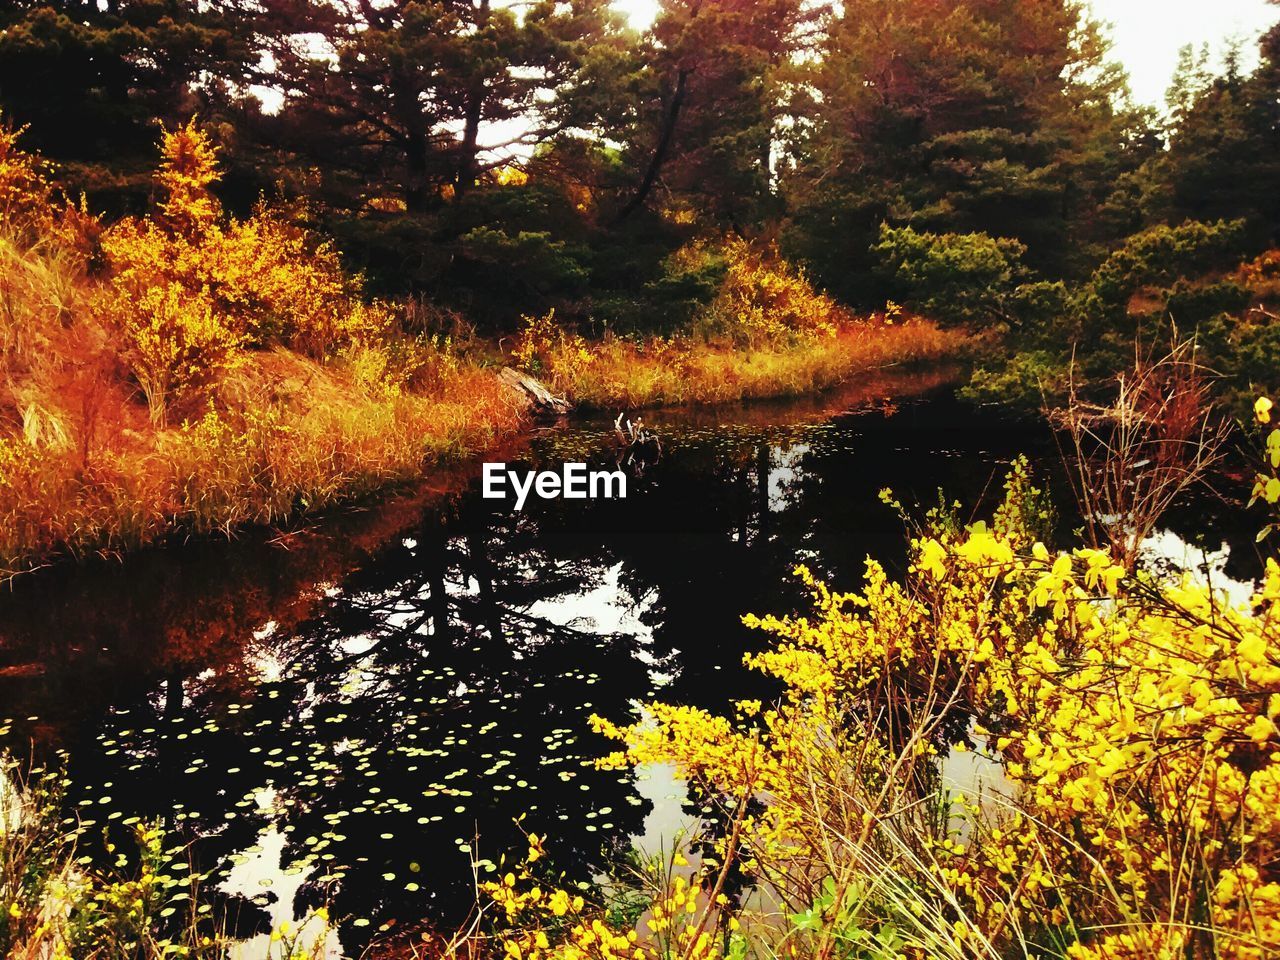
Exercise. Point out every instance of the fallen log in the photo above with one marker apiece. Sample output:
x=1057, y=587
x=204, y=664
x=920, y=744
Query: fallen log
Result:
x=542, y=399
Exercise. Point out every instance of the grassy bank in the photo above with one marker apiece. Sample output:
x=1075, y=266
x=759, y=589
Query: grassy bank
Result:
x=767, y=333
x=671, y=372
x=310, y=440
x=189, y=372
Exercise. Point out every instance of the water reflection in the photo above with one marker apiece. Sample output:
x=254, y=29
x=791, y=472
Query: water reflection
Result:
x=340, y=721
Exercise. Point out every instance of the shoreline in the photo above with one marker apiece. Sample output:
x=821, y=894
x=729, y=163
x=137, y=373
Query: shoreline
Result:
x=468, y=445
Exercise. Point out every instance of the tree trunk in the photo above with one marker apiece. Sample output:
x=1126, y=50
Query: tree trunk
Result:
x=663, y=148
x=417, y=196
x=474, y=113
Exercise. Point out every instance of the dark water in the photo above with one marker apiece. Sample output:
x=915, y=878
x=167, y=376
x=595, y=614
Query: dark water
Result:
x=337, y=714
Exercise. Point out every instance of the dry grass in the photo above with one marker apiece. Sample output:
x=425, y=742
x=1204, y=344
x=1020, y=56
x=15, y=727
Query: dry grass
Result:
x=145, y=384
x=83, y=469
x=622, y=373
x=1132, y=458
x=283, y=435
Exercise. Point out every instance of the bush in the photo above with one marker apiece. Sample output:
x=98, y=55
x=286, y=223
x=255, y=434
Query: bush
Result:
x=1025, y=382
x=1191, y=304
x=190, y=289
x=1130, y=720
x=148, y=908
x=956, y=278
x=763, y=299
x=1159, y=256
x=26, y=193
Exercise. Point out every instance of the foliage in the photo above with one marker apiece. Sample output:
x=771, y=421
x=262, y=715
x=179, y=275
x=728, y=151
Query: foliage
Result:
x=1026, y=381
x=959, y=117
x=1159, y=256
x=294, y=391
x=765, y=300
x=190, y=290
x=680, y=904
x=92, y=80
x=1133, y=719
x=408, y=72
x=1221, y=158
x=959, y=278
x=26, y=193
x=628, y=373
x=715, y=95
x=536, y=264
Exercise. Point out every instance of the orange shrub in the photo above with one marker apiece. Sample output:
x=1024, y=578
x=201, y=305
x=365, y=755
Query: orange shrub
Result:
x=26, y=193
x=764, y=299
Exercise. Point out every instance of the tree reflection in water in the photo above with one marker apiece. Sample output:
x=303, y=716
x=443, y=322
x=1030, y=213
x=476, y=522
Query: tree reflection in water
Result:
x=338, y=721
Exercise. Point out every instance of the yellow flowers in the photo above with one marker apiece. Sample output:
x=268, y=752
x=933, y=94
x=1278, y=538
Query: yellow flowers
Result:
x=561, y=925
x=559, y=903
x=26, y=194
x=1262, y=409
x=188, y=167
x=536, y=852
x=1131, y=717
x=191, y=289
x=930, y=559
x=766, y=300
x=547, y=349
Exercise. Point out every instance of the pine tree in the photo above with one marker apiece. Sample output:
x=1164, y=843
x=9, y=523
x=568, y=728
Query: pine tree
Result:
x=1223, y=160
x=91, y=79
x=411, y=101
x=960, y=116
x=717, y=98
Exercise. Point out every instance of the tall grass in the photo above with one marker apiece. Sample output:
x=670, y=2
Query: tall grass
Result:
x=283, y=435
x=188, y=372
x=624, y=375
x=56, y=904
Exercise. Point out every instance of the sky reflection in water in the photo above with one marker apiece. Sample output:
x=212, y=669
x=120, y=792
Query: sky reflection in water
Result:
x=342, y=720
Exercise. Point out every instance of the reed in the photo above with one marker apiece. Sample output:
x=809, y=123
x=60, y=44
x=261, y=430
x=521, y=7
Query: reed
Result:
x=659, y=372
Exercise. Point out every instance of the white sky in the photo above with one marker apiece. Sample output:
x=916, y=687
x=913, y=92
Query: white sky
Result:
x=1147, y=33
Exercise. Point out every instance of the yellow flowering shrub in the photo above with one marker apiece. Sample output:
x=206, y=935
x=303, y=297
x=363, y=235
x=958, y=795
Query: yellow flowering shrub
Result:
x=763, y=299
x=684, y=916
x=190, y=288
x=1266, y=487
x=26, y=193
x=546, y=349
x=1133, y=720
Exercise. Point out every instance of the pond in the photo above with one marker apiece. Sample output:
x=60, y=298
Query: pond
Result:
x=347, y=713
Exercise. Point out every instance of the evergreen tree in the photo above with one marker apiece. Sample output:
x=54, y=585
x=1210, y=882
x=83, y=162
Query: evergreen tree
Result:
x=718, y=77
x=961, y=116
x=395, y=103
x=91, y=79
x=1223, y=160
